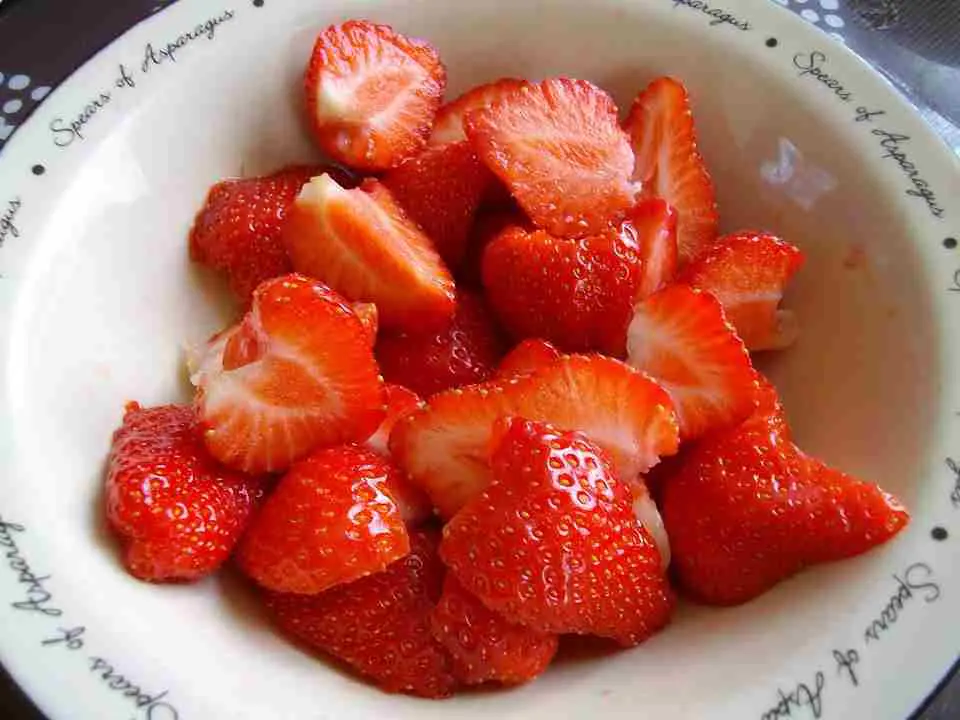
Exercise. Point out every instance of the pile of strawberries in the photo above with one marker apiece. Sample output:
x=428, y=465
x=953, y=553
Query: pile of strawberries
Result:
x=436, y=439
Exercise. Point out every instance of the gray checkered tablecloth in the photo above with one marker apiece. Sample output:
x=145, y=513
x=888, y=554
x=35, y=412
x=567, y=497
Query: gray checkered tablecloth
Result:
x=914, y=43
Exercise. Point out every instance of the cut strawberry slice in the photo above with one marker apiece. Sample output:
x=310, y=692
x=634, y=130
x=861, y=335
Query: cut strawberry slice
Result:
x=445, y=448
x=372, y=94
x=527, y=357
x=669, y=164
x=748, y=273
x=559, y=149
x=363, y=245
x=369, y=318
x=298, y=372
x=400, y=403
x=440, y=189
x=655, y=225
x=448, y=127
x=680, y=338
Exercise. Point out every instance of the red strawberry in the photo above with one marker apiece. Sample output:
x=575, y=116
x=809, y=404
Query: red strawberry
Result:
x=679, y=337
x=747, y=510
x=362, y=244
x=558, y=147
x=487, y=225
x=237, y=231
x=577, y=294
x=440, y=190
x=648, y=515
x=748, y=273
x=669, y=164
x=332, y=519
x=369, y=317
x=552, y=542
x=372, y=94
x=177, y=511
x=448, y=128
x=527, y=357
x=655, y=225
x=380, y=624
x=484, y=645
x=298, y=372
x=445, y=448
x=465, y=352
x=770, y=409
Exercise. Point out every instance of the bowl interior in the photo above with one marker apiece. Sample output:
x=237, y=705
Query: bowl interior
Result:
x=110, y=298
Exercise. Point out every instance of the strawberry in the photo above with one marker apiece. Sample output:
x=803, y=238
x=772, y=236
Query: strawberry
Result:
x=748, y=272
x=527, y=357
x=465, y=352
x=747, y=510
x=648, y=515
x=363, y=245
x=669, y=165
x=448, y=128
x=369, y=317
x=552, y=542
x=577, y=294
x=296, y=373
x=445, y=448
x=655, y=225
x=559, y=149
x=488, y=224
x=770, y=409
x=237, y=231
x=440, y=190
x=331, y=519
x=372, y=94
x=380, y=624
x=484, y=645
x=177, y=511
x=679, y=337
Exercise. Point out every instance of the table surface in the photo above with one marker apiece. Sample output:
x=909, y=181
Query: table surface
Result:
x=915, y=43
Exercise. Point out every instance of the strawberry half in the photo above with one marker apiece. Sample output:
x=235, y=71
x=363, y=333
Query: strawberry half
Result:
x=380, y=624
x=578, y=294
x=445, y=448
x=297, y=373
x=237, y=231
x=372, y=94
x=448, y=128
x=331, y=519
x=748, y=272
x=552, y=542
x=527, y=357
x=177, y=511
x=747, y=510
x=655, y=226
x=441, y=189
x=485, y=646
x=669, y=165
x=363, y=245
x=680, y=338
x=558, y=147
x=648, y=515
x=467, y=351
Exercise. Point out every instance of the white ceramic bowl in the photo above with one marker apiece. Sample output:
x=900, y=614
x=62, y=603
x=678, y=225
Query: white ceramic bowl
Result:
x=97, y=296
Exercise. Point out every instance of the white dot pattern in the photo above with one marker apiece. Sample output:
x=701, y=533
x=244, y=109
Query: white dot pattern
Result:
x=825, y=17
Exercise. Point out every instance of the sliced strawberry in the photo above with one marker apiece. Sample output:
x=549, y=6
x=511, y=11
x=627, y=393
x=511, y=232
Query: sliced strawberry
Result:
x=467, y=351
x=298, y=372
x=669, y=165
x=369, y=317
x=648, y=515
x=332, y=519
x=578, y=294
x=177, y=511
x=484, y=645
x=655, y=225
x=363, y=245
x=237, y=231
x=552, y=542
x=748, y=510
x=680, y=338
x=527, y=357
x=380, y=624
x=448, y=128
x=558, y=147
x=372, y=94
x=445, y=448
x=748, y=273
x=441, y=189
